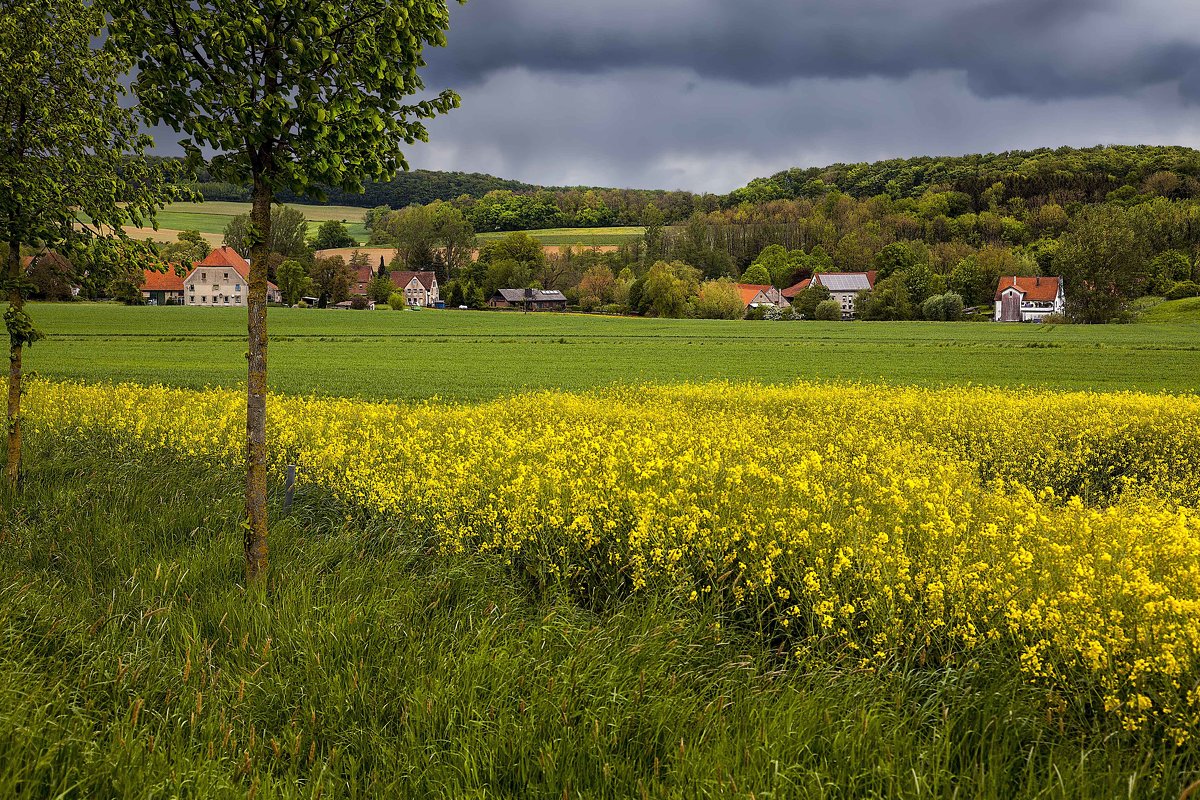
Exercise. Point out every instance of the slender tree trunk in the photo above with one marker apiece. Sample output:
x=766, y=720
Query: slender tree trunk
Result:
x=12, y=467
x=256, y=389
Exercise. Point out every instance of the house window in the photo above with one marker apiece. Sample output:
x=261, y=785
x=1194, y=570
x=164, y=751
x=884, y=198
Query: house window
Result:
x=237, y=287
x=203, y=276
x=192, y=287
x=238, y=299
x=226, y=299
x=203, y=299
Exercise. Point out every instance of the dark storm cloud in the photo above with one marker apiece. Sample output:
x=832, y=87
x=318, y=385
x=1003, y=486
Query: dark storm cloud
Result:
x=1039, y=49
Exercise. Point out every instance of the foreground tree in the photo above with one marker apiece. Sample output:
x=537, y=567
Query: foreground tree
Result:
x=294, y=95
x=66, y=172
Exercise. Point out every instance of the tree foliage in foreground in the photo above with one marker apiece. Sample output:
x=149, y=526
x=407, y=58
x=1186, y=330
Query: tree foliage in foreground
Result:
x=289, y=96
x=70, y=158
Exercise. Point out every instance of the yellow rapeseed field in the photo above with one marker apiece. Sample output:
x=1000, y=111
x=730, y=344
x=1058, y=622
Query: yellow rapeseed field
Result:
x=875, y=525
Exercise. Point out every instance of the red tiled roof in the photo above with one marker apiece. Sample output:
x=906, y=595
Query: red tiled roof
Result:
x=796, y=288
x=400, y=278
x=226, y=256
x=750, y=290
x=167, y=281
x=1032, y=288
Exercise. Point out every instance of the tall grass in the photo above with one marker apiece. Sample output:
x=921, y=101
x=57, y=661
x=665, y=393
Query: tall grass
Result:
x=133, y=665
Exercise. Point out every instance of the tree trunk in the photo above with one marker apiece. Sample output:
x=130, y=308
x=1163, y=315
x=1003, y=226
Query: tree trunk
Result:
x=256, y=388
x=12, y=467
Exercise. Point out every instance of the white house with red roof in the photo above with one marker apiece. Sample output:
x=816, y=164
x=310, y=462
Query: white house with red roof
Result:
x=1028, y=299
x=162, y=288
x=756, y=294
x=221, y=280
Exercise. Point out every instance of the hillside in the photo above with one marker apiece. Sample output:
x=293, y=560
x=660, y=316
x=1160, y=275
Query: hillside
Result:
x=1085, y=175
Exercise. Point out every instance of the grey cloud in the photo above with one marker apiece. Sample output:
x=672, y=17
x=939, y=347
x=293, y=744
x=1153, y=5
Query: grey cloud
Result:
x=643, y=127
x=1040, y=49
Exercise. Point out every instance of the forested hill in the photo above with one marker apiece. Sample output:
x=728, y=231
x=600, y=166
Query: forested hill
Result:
x=1066, y=175
x=407, y=188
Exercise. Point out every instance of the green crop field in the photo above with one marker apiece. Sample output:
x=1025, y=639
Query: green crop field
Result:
x=588, y=237
x=478, y=355
x=212, y=217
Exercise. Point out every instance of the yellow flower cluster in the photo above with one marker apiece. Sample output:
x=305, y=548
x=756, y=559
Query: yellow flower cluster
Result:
x=879, y=525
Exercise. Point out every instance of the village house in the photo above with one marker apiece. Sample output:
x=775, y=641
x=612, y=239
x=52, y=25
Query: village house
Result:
x=162, y=288
x=52, y=275
x=843, y=287
x=419, y=288
x=529, y=299
x=755, y=295
x=1028, y=299
x=221, y=280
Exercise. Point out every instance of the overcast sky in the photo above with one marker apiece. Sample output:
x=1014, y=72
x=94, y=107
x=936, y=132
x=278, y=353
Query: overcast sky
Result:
x=706, y=94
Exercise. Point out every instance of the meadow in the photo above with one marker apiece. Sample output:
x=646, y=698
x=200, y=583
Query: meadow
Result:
x=480, y=355
x=548, y=556
x=210, y=219
x=586, y=237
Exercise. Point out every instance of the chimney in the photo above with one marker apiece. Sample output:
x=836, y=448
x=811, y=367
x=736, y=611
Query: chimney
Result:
x=1038, y=282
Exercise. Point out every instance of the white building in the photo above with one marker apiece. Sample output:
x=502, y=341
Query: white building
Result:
x=843, y=287
x=1028, y=299
x=221, y=280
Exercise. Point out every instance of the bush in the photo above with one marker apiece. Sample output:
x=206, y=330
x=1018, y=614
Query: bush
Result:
x=719, y=299
x=359, y=303
x=1183, y=289
x=943, y=308
x=828, y=310
x=396, y=301
x=1055, y=319
x=301, y=304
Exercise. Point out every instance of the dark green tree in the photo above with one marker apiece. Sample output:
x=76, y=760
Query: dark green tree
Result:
x=293, y=281
x=331, y=236
x=887, y=301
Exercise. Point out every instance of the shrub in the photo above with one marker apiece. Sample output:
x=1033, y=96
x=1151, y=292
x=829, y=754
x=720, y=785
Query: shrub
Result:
x=396, y=301
x=359, y=303
x=828, y=310
x=719, y=299
x=1183, y=289
x=1055, y=319
x=943, y=307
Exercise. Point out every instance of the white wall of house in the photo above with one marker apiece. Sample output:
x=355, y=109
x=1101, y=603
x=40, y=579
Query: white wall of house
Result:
x=219, y=286
x=846, y=300
x=1031, y=310
x=415, y=293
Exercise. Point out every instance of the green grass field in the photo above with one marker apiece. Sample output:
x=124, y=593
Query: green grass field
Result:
x=212, y=217
x=588, y=237
x=133, y=664
x=477, y=355
x=1187, y=310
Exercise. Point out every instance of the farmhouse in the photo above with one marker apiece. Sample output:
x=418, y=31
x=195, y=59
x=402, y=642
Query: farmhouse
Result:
x=843, y=287
x=755, y=295
x=1026, y=299
x=418, y=288
x=529, y=299
x=220, y=280
x=162, y=288
x=52, y=275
